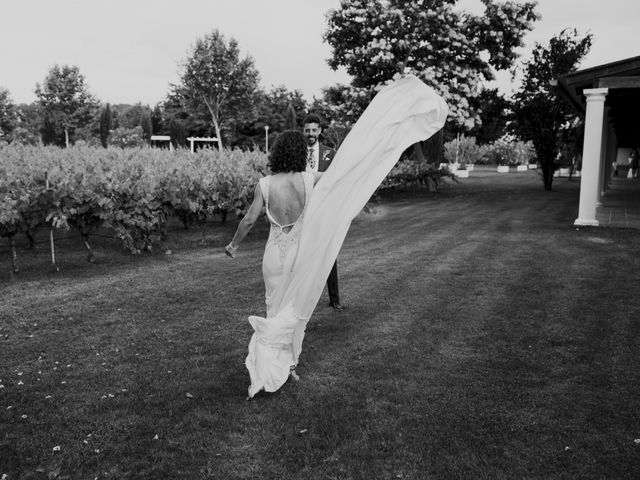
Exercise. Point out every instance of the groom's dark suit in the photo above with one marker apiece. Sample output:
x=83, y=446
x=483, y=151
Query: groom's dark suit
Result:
x=325, y=158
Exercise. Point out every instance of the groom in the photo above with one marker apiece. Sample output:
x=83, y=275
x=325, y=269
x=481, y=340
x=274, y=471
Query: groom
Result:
x=319, y=158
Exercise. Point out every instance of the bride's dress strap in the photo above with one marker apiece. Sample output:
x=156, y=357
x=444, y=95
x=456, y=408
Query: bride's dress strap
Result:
x=264, y=186
x=308, y=187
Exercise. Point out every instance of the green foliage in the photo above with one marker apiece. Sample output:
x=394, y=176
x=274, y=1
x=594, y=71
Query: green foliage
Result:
x=8, y=114
x=463, y=150
x=494, y=112
x=409, y=171
x=376, y=40
x=272, y=111
x=177, y=132
x=30, y=121
x=22, y=136
x=65, y=102
x=216, y=85
x=129, y=191
x=291, y=122
x=127, y=137
x=540, y=116
x=157, y=120
x=131, y=116
x=509, y=151
x=106, y=124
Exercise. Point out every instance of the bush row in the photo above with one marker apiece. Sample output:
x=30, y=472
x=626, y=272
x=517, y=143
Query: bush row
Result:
x=133, y=192
x=504, y=151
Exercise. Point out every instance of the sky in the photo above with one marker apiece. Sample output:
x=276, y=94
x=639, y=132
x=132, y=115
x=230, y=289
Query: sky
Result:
x=130, y=51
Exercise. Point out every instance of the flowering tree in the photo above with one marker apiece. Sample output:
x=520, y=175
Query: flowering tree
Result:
x=216, y=83
x=540, y=116
x=451, y=50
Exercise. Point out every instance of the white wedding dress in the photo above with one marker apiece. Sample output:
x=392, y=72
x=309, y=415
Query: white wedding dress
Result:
x=296, y=263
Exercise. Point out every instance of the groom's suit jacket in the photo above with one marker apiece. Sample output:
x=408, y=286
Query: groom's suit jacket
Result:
x=325, y=157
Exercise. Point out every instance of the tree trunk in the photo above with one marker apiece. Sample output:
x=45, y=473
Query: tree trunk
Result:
x=547, y=173
x=14, y=255
x=432, y=185
x=90, y=256
x=214, y=120
x=66, y=138
x=218, y=135
x=32, y=240
x=433, y=148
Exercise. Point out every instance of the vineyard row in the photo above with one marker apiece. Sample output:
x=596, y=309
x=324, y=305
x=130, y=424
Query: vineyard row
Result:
x=131, y=192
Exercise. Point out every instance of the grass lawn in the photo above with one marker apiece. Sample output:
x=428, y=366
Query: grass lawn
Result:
x=485, y=338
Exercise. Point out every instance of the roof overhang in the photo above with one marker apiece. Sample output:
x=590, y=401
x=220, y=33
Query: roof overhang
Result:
x=622, y=78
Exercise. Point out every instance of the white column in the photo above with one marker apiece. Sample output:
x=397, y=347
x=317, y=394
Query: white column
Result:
x=591, y=156
x=612, y=150
x=603, y=156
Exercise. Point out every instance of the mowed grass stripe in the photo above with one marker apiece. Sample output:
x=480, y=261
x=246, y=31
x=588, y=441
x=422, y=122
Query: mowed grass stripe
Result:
x=484, y=335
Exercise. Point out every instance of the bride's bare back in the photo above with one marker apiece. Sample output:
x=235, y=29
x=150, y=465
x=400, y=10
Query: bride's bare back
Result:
x=286, y=197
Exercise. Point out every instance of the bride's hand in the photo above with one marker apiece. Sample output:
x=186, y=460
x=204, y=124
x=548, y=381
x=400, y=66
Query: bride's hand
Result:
x=230, y=250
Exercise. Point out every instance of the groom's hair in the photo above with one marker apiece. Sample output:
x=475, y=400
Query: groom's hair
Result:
x=312, y=118
x=288, y=153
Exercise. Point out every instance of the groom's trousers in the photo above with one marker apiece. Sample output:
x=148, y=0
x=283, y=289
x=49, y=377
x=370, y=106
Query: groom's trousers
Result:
x=332, y=284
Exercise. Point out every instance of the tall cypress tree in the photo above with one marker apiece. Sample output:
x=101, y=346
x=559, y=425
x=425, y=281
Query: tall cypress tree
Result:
x=147, y=125
x=105, y=125
x=157, y=120
x=178, y=133
x=291, y=121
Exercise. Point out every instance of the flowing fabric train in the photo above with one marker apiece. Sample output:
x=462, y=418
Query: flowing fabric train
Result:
x=400, y=115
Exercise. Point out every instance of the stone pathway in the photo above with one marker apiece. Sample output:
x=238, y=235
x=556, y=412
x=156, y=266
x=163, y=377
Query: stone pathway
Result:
x=621, y=204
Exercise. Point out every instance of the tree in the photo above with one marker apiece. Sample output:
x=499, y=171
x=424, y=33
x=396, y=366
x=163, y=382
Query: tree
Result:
x=88, y=130
x=272, y=111
x=29, y=124
x=217, y=84
x=147, y=125
x=291, y=122
x=124, y=137
x=453, y=51
x=177, y=132
x=106, y=125
x=8, y=114
x=539, y=115
x=494, y=111
x=65, y=100
x=129, y=117
x=157, y=120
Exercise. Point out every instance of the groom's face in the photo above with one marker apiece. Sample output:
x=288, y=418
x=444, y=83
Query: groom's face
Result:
x=312, y=132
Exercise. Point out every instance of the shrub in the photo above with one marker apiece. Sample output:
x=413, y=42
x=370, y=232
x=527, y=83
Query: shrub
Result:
x=508, y=151
x=22, y=136
x=411, y=171
x=464, y=150
x=131, y=192
x=127, y=137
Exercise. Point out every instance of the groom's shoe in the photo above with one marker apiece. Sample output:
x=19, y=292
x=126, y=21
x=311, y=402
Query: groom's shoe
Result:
x=336, y=306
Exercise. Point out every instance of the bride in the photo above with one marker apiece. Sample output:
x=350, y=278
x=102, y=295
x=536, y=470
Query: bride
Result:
x=285, y=195
x=308, y=225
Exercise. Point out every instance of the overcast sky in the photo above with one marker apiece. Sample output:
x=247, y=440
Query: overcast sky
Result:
x=130, y=50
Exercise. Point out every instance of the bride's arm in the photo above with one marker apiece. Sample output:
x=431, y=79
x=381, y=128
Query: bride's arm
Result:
x=247, y=222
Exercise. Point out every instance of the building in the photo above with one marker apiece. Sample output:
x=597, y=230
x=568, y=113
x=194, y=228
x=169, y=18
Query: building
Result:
x=608, y=98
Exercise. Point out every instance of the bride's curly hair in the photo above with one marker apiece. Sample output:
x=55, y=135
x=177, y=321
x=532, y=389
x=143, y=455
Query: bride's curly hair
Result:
x=289, y=153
